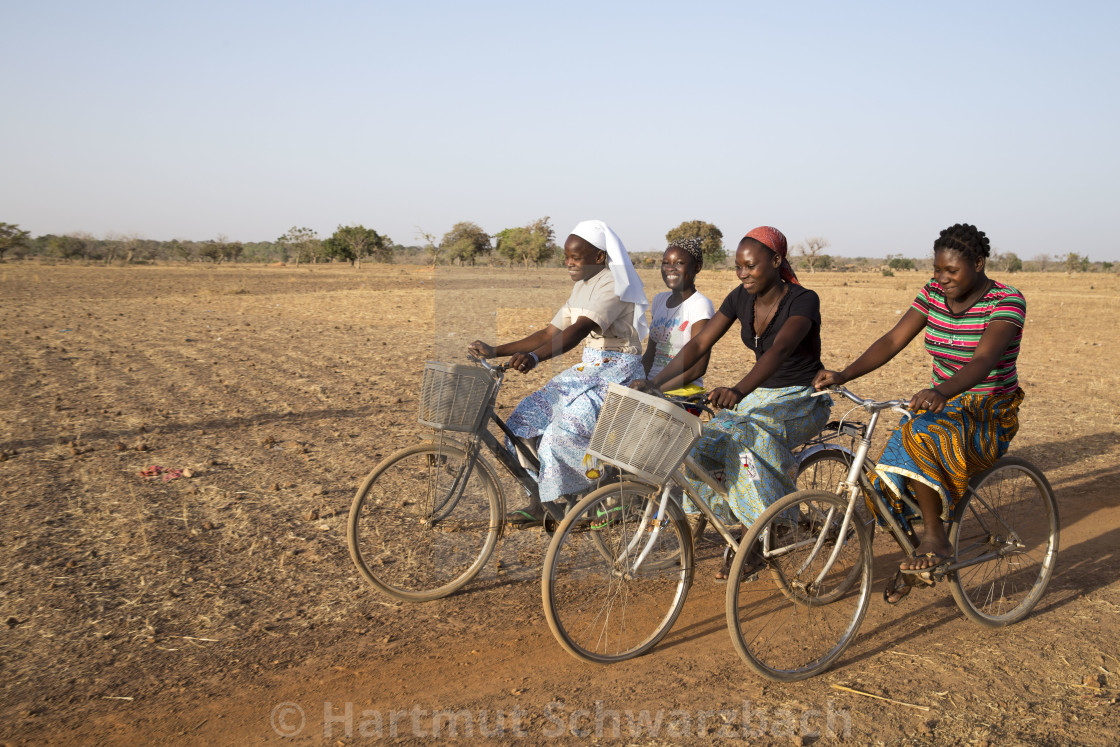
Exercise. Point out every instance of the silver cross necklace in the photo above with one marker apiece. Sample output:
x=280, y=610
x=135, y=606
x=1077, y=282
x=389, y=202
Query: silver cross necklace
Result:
x=769, y=314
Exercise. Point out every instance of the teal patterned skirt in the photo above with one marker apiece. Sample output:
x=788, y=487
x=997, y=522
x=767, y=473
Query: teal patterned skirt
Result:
x=768, y=424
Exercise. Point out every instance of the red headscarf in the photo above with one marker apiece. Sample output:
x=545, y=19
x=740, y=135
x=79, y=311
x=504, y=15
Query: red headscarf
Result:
x=775, y=240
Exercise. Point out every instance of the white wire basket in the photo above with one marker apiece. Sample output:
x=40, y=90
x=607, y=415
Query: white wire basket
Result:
x=454, y=397
x=643, y=434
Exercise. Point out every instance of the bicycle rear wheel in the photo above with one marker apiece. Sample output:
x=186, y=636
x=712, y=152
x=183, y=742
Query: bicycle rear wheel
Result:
x=824, y=470
x=615, y=579
x=821, y=470
x=420, y=527
x=1006, y=528
x=785, y=621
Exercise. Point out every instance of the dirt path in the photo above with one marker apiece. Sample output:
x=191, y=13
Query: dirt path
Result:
x=200, y=609
x=485, y=660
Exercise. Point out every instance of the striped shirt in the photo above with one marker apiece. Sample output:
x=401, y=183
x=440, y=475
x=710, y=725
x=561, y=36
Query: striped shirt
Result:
x=952, y=338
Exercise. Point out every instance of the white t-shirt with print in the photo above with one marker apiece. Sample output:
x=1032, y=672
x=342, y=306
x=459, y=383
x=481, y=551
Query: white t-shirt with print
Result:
x=671, y=329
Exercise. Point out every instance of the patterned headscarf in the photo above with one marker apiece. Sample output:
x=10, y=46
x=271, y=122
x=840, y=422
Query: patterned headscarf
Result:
x=775, y=240
x=692, y=247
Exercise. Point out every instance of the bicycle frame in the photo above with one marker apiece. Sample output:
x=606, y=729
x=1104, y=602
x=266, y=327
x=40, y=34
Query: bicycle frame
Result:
x=483, y=437
x=857, y=482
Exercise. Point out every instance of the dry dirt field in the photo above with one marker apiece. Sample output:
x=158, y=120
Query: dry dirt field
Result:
x=221, y=606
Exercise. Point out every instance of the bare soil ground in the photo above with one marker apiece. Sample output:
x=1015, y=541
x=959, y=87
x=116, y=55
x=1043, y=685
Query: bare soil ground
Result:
x=221, y=606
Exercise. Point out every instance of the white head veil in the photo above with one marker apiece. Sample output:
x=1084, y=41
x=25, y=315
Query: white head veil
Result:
x=627, y=284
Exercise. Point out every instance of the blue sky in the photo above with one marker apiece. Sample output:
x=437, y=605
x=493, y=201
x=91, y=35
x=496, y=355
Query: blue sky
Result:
x=874, y=125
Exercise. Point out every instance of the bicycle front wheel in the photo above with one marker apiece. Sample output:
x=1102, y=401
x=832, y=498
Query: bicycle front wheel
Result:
x=1006, y=530
x=422, y=526
x=795, y=608
x=615, y=578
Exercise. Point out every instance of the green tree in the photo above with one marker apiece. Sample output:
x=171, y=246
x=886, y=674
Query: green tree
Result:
x=810, y=251
x=303, y=244
x=1076, y=262
x=354, y=242
x=70, y=246
x=465, y=242
x=534, y=243
x=211, y=250
x=1014, y=264
x=232, y=250
x=12, y=237
x=898, y=262
x=711, y=239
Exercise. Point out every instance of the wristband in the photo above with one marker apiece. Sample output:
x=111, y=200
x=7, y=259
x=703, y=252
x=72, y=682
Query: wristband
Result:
x=536, y=360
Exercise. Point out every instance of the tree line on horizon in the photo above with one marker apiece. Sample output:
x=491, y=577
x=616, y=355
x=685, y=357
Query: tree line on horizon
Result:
x=533, y=244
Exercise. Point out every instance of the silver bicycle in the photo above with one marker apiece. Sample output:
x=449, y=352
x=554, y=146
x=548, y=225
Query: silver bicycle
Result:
x=427, y=518
x=620, y=565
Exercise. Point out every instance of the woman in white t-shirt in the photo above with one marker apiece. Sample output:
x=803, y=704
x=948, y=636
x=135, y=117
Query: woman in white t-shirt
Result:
x=678, y=314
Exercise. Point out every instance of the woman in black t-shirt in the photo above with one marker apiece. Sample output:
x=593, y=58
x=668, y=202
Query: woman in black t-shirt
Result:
x=770, y=411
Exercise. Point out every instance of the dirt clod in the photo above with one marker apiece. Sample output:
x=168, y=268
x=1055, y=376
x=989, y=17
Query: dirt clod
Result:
x=1093, y=680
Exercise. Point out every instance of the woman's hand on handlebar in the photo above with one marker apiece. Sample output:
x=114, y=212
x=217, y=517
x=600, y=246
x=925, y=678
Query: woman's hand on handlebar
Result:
x=825, y=378
x=930, y=400
x=480, y=349
x=523, y=362
x=644, y=385
x=725, y=397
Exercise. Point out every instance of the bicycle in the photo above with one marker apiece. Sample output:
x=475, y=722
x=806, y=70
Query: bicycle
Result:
x=647, y=438
x=428, y=517
x=801, y=576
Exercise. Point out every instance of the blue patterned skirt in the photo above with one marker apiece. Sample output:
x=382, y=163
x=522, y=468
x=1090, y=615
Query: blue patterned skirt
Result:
x=945, y=449
x=563, y=414
x=768, y=424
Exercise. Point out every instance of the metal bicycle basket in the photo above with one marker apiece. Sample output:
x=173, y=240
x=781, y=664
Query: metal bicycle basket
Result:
x=453, y=396
x=642, y=434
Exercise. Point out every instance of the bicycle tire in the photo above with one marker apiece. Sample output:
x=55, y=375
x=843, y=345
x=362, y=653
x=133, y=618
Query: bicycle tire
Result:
x=782, y=637
x=821, y=470
x=1010, y=510
x=392, y=539
x=824, y=470
x=599, y=608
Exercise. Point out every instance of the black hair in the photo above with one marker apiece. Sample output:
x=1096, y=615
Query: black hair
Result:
x=965, y=239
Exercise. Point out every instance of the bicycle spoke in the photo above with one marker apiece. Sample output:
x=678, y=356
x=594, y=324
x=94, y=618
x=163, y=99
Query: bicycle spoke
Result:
x=1006, y=530
x=422, y=525
x=783, y=623
x=602, y=604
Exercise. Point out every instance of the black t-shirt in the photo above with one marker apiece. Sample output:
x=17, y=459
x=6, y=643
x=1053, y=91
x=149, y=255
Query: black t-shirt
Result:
x=805, y=360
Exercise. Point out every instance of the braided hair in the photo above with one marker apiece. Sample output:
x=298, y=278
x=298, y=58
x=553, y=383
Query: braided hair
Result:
x=965, y=239
x=691, y=247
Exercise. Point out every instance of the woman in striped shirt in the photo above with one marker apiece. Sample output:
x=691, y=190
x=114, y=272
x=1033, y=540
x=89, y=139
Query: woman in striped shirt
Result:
x=969, y=414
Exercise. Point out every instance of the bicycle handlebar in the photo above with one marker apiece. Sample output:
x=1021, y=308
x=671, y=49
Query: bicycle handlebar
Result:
x=498, y=368
x=696, y=400
x=901, y=406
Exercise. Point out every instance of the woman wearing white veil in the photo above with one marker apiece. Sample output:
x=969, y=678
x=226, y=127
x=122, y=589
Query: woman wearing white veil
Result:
x=608, y=310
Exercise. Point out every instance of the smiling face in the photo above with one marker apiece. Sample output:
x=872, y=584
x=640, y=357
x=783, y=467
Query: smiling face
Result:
x=756, y=266
x=956, y=275
x=583, y=260
x=678, y=269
